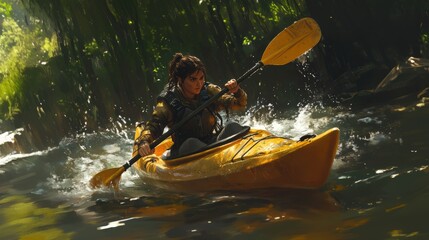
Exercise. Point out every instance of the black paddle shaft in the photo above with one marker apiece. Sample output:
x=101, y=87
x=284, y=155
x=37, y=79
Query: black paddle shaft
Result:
x=258, y=66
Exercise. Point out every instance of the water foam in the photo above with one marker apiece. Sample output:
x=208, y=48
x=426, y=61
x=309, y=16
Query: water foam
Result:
x=16, y=156
x=71, y=180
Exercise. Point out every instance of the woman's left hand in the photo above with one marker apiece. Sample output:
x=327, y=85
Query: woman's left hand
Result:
x=232, y=86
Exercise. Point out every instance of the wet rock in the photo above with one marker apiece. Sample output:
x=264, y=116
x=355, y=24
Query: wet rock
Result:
x=424, y=95
x=16, y=141
x=406, y=82
x=361, y=78
x=8, y=142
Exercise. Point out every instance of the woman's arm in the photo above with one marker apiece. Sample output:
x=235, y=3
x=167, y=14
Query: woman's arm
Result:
x=161, y=117
x=229, y=101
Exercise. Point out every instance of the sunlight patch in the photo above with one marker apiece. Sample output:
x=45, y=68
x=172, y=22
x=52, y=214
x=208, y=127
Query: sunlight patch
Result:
x=116, y=224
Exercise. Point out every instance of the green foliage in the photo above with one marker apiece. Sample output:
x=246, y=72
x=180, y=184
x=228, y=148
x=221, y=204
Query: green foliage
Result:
x=50, y=46
x=20, y=47
x=425, y=38
x=123, y=47
x=5, y=9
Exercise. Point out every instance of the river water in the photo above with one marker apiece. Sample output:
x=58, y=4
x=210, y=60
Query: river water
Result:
x=378, y=187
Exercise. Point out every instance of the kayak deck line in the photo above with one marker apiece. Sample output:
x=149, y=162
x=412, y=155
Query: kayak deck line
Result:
x=254, y=144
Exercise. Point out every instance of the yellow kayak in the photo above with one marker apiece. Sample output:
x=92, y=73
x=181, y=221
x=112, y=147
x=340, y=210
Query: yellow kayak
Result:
x=258, y=159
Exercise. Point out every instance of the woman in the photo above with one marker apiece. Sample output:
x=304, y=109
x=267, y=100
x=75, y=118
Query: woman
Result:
x=186, y=90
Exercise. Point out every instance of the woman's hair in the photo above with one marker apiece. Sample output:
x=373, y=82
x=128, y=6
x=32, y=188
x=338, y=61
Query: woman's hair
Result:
x=182, y=66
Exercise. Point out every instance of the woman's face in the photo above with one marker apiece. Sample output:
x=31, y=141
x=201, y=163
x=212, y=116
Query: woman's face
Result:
x=193, y=84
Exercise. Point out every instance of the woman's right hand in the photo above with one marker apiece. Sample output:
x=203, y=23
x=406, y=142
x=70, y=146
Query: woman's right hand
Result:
x=144, y=149
x=232, y=86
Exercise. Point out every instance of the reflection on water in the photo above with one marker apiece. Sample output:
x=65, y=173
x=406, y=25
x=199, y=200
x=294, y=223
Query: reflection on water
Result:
x=216, y=215
x=22, y=218
x=378, y=188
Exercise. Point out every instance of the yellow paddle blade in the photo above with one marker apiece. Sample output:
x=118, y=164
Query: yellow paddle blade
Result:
x=107, y=178
x=292, y=42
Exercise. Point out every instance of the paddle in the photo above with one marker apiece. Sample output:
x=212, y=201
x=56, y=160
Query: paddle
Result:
x=289, y=44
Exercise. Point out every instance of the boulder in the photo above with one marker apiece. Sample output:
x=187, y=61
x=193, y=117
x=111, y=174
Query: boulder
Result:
x=406, y=82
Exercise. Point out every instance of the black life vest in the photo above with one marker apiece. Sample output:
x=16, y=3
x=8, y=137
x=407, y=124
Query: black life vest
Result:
x=204, y=125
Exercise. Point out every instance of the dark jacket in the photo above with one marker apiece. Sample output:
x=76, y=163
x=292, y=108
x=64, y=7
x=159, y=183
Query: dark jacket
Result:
x=172, y=107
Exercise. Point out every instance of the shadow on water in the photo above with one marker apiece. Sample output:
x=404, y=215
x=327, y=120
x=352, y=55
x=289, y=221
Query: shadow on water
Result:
x=242, y=215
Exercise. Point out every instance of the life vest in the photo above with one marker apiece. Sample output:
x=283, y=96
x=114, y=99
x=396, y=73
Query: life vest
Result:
x=204, y=125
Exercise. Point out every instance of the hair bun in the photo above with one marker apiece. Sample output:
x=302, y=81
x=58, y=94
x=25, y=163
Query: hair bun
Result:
x=177, y=57
x=181, y=66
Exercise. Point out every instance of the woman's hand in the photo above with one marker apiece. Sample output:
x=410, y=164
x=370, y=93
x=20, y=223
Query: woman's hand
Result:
x=144, y=149
x=232, y=86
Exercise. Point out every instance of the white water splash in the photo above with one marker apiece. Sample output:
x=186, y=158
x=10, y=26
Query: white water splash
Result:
x=10, y=136
x=74, y=184
x=16, y=156
x=299, y=124
x=112, y=148
x=369, y=120
x=377, y=137
x=312, y=119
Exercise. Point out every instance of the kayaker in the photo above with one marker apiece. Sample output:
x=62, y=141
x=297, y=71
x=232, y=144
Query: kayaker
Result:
x=187, y=89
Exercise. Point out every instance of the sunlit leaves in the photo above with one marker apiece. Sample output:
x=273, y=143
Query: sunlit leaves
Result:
x=20, y=47
x=50, y=46
x=91, y=47
x=5, y=9
x=12, y=61
x=425, y=38
x=275, y=10
x=248, y=40
x=10, y=41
